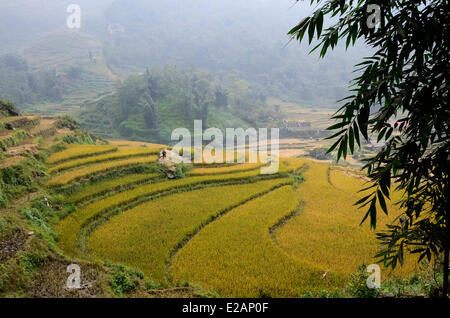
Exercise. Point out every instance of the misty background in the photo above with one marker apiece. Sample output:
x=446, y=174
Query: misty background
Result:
x=136, y=68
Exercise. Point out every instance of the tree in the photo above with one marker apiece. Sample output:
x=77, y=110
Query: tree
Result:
x=74, y=72
x=153, y=87
x=202, y=97
x=129, y=93
x=400, y=96
x=221, y=100
x=149, y=108
x=8, y=109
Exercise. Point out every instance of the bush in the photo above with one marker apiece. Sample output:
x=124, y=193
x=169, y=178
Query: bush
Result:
x=357, y=286
x=36, y=218
x=299, y=178
x=31, y=261
x=121, y=280
x=68, y=122
x=15, y=176
x=320, y=154
x=8, y=109
x=179, y=173
x=150, y=285
x=181, y=170
x=2, y=199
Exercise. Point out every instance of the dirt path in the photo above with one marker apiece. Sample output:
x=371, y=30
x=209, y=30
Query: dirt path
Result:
x=17, y=150
x=17, y=240
x=44, y=125
x=10, y=161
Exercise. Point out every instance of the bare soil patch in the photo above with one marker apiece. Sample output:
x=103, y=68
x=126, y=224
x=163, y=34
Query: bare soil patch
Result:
x=30, y=148
x=10, y=161
x=11, y=244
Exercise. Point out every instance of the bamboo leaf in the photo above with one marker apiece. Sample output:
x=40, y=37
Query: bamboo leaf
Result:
x=319, y=24
x=338, y=125
x=356, y=131
x=382, y=201
x=311, y=31
x=363, y=199
x=351, y=139
x=334, y=145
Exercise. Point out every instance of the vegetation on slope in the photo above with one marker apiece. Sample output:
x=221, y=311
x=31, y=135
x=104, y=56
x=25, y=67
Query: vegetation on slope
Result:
x=31, y=263
x=152, y=105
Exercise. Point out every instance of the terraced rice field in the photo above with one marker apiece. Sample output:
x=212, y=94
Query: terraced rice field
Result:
x=125, y=152
x=99, y=188
x=224, y=256
x=332, y=224
x=72, y=225
x=67, y=177
x=222, y=170
x=79, y=151
x=227, y=228
x=156, y=228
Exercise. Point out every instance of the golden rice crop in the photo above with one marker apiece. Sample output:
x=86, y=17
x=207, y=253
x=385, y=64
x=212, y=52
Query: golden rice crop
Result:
x=236, y=256
x=94, y=189
x=145, y=236
x=108, y=185
x=237, y=155
x=327, y=233
x=70, y=226
x=66, y=177
x=291, y=164
x=224, y=170
x=285, y=165
x=128, y=143
x=124, y=152
x=79, y=151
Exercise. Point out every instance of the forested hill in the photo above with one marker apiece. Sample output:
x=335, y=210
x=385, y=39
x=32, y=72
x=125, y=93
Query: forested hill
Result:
x=118, y=38
x=151, y=105
x=246, y=38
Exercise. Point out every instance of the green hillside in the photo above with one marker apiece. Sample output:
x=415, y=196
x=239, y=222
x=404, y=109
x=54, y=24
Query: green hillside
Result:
x=150, y=106
x=56, y=74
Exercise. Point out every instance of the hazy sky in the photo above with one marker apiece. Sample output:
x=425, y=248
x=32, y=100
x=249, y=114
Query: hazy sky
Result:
x=25, y=20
